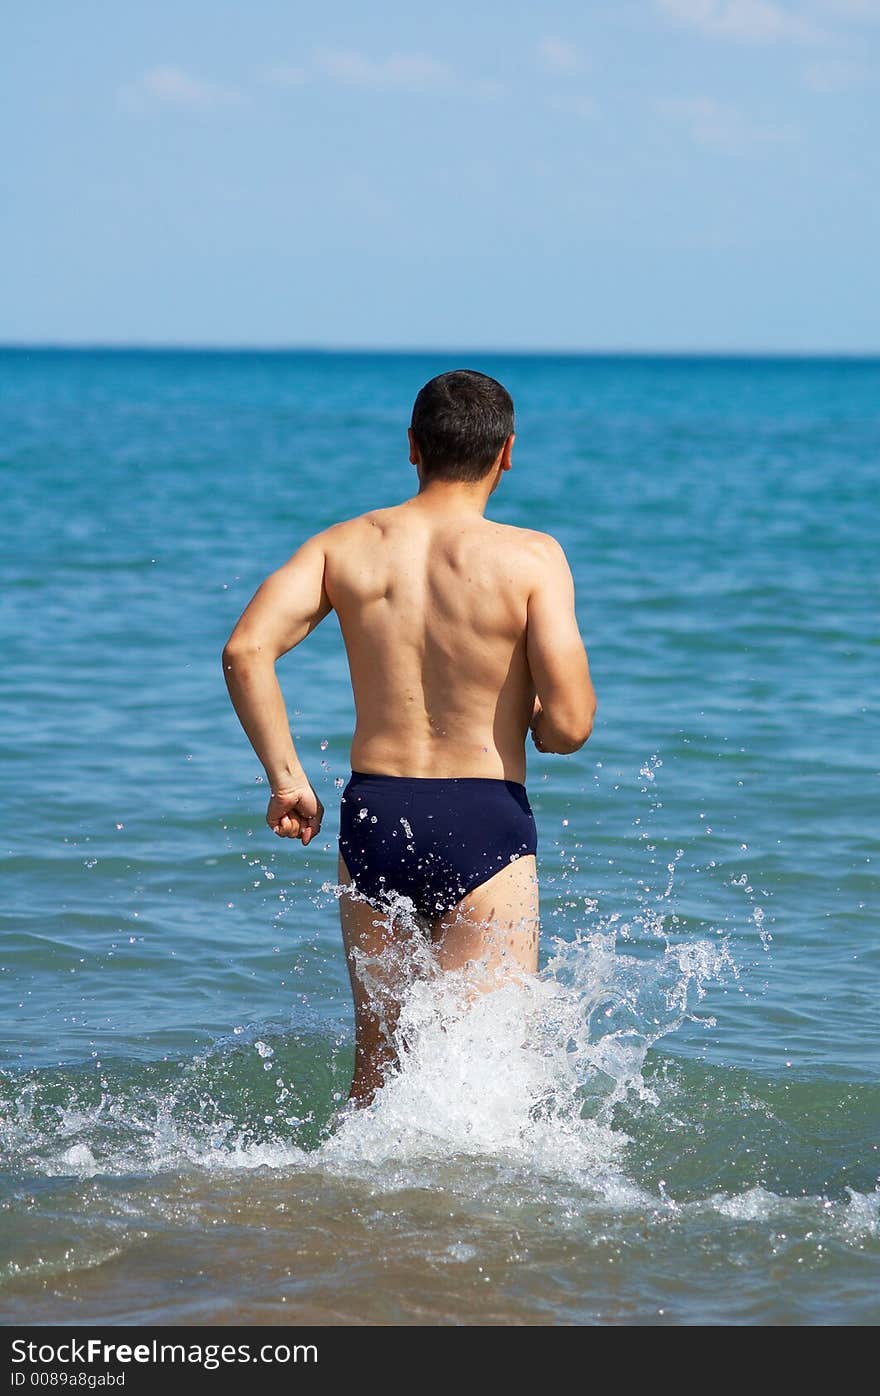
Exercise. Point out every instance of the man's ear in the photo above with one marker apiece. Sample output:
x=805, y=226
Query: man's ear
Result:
x=506, y=450
x=414, y=453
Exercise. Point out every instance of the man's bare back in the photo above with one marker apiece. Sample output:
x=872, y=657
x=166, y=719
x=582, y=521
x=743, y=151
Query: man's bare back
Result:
x=432, y=601
x=461, y=635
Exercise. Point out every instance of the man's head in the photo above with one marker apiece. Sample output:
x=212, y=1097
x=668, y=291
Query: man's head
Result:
x=462, y=422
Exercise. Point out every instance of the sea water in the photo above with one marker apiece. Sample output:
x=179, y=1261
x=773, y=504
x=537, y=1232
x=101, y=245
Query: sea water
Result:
x=678, y=1120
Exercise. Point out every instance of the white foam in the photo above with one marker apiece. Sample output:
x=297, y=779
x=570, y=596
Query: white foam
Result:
x=855, y=1218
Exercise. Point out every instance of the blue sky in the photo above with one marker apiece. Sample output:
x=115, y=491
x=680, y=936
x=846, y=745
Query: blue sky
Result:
x=647, y=174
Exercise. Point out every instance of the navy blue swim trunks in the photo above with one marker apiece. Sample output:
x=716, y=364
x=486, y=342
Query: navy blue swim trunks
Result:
x=431, y=839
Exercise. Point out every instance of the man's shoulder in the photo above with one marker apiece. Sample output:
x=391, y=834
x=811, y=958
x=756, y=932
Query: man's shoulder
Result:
x=535, y=545
x=542, y=545
x=345, y=529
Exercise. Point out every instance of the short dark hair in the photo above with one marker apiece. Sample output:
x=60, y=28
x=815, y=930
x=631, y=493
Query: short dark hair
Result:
x=460, y=421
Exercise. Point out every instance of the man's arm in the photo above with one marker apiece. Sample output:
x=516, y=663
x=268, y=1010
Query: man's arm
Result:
x=286, y=608
x=566, y=701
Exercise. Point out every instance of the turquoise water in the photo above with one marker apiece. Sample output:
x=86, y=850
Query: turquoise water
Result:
x=688, y=1128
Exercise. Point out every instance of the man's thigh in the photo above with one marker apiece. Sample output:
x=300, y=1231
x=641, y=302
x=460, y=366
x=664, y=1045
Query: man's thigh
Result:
x=384, y=952
x=497, y=925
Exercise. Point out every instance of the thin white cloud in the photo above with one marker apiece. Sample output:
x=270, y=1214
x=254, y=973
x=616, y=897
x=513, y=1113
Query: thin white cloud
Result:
x=720, y=127
x=488, y=89
x=854, y=9
x=357, y=191
x=574, y=104
x=829, y=75
x=172, y=87
x=559, y=56
x=285, y=75
x=398, y=70
x=744, y=21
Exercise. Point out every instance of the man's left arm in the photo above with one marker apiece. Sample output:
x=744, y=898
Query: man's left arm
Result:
x=286, y=608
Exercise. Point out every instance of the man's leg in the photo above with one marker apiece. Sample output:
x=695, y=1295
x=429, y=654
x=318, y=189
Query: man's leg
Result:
x=497, y=924
x=372, y=932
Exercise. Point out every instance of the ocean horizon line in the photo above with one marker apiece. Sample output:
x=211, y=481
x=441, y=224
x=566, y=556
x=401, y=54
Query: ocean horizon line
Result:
x=398, y=351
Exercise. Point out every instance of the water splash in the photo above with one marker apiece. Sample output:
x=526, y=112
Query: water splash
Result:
x=527, y=1073
x=502, y=1094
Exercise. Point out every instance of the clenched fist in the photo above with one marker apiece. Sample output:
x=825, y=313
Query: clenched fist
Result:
x=295, y=813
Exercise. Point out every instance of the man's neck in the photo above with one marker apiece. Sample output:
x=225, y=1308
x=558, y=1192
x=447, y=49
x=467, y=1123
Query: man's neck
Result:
x=454, y=496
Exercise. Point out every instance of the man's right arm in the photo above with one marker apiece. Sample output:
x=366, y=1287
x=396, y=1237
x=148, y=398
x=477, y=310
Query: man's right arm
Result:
x=566, y=702
x=283, y=611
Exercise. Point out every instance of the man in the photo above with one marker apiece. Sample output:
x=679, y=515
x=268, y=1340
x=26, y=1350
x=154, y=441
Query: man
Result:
x=461, y=634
